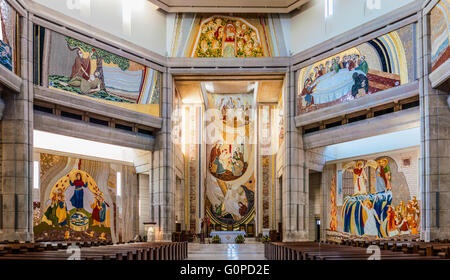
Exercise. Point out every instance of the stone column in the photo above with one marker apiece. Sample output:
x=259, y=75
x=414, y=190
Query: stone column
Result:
x=163, y=172
x=180, y=201
x=435, y=148
x=17, y=150
x=143, y=163
x=129, y=203
x=325, y=203
x=295, y=195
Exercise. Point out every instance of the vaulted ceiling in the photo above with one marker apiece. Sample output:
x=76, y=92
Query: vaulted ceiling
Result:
x=229, y=6
x=229, y=87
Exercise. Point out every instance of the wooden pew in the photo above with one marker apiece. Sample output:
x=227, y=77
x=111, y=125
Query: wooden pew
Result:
x=96, y=251
x=354, y=250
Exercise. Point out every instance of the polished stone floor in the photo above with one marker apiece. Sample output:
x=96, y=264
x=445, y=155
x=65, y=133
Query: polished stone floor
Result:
x=251, y=251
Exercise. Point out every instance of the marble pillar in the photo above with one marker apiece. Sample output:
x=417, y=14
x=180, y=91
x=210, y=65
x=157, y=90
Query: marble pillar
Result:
x=162, y=197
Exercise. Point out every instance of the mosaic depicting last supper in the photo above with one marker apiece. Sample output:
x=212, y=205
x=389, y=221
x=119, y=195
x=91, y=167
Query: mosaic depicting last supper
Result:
x=377, y=65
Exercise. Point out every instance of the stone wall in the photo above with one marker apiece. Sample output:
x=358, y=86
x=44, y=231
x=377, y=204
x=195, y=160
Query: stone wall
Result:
x=17, y=150
x=144, y=203
x=435, y=140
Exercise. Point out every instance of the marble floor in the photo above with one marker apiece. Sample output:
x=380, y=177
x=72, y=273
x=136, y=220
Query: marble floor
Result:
x=252, y=251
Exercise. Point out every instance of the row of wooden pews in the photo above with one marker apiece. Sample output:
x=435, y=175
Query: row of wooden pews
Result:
x=94, y=251
x=439, y=248
x=356, y=250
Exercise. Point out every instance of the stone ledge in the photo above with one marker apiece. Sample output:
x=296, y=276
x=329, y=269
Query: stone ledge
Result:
x=428, y=5
x=337, y=236
x=440, y=75
x=10, y=80
x=18, y=6
x=393, y=122
x=81, y=103
x=227, y=70
x=187, y=62
x=79, y=129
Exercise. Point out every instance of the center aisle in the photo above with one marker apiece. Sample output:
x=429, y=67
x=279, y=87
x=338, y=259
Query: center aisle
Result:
x=198, y=251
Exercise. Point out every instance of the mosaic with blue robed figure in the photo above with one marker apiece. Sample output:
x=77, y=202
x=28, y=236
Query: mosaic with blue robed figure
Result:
x=366, y=214
x=378, y=203
x=76, y=209
x=5, y=56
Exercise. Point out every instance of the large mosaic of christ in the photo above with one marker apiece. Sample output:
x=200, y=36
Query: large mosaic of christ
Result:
x=227, y=37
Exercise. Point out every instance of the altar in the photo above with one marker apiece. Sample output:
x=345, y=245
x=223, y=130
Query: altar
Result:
x=227, y=236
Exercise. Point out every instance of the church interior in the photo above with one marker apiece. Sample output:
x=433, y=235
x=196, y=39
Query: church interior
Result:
x=245, y=130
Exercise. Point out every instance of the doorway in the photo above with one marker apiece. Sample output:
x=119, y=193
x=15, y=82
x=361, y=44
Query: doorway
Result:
x=179, y=204
x=315, y=180
x=317, y=229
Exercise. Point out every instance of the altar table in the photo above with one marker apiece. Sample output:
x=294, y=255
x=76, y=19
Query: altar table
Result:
x=227, y=236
